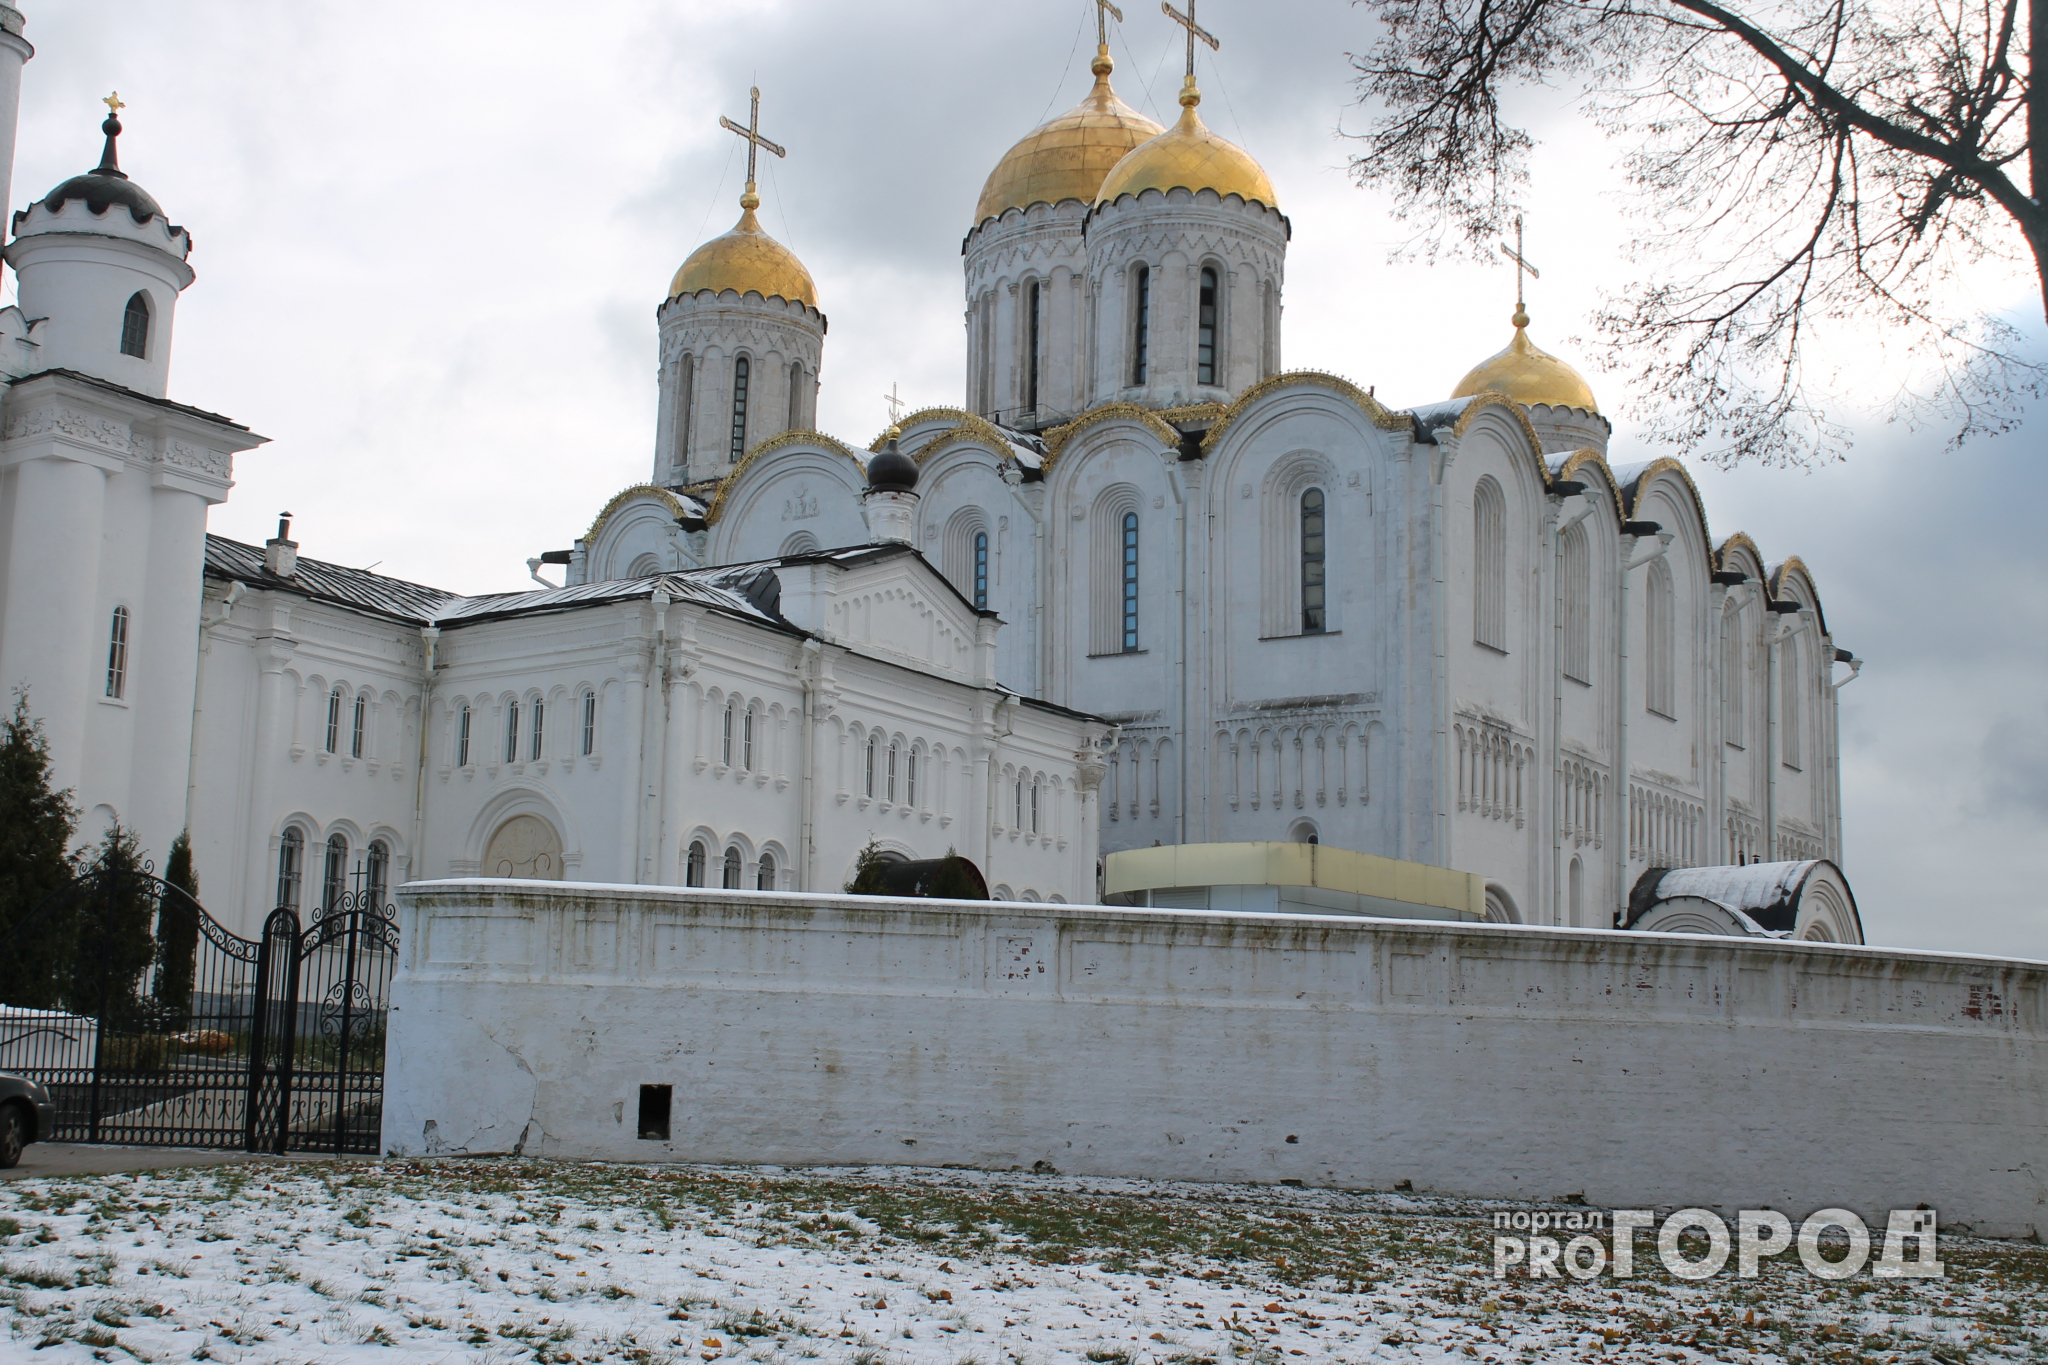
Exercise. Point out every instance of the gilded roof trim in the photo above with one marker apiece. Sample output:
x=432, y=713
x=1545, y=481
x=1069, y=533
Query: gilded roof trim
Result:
x=1587, y=458
x=637, y=491
x=1793, y=564
x=1382, y=417
x=958, y=419
x=716, y=504
x=1738, y=540
x=1664, y=464
x=1494, y=398
x=1056, y=439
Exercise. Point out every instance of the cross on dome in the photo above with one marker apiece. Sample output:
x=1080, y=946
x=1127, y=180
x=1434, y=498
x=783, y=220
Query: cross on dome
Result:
x=114, y=104
x=1195, y=30
x=1104, y=12
x=752, y=134
x=1522, y=263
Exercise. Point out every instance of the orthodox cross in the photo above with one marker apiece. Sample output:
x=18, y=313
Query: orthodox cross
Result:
x=896, y=405
x=1104, y=11
x=114, y=104
x=1514, y=253
x=1195, y=30
x=752, y=133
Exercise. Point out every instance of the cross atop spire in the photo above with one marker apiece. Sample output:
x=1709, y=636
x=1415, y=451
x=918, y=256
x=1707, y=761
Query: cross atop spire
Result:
x=1195, y=30
x=1104, y=12
x=752, y=133
x=114, y=104
x=1514, y=253
x=896, y=406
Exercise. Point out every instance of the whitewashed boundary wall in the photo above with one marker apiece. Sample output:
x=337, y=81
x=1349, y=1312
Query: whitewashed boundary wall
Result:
x=1628, y=1069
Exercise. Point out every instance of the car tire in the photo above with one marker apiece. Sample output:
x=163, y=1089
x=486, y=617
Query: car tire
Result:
x=13, y=1134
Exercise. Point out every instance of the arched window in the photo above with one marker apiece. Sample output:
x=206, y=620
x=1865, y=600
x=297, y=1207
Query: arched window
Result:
x=747, y=740
x=333, y=744
x=1018, y=821
x=981, y=570
x=1034, y=805
x=380, y=872
x=462, y=737
x=1205, y=332
x=291, y=851
x=135, y=326
x=1789, y=748
x=1734, y=677
x=799, y=543
x=764, y=878
x=1575, y=892
x=533, y=744
x=732, y=706
x=1659, y=641
x=874, y=759
x=694, y=865
x=732, y=869
x=686, y=383
x=1141, y=317
x=1032, y=308
x=334, y=879
x=117, y=654
x=359, y=725
x=796, y=395
x=739, y=409
x=893, y=747
x=1490, y=566
x=1130, y=582
x=1578, y=606
x=910, y=778
x=589, y=722
x=511, y=732
x=1312, y=566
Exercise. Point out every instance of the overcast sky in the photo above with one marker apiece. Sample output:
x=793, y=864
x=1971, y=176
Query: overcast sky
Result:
x=430, y=240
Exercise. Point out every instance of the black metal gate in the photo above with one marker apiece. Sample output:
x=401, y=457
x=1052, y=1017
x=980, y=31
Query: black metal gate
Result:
x=153, y=1025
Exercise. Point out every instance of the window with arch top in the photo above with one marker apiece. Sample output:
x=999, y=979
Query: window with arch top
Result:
x=1733, y=676
x=534, y=746
x=796, y=395
x=1790, y=750
x=981, y=570
x=732, y=706
x=117, y=654
x=333, y=736
x=1205, y=330
x=1130, y=583
x=334, y=878
x=589, y=722
x=686, y=382
x=1577, y=568
x=1033, y=308
x=135, y=326
x=732, y=869
x=359, y=726
x=695, y=865
x=739, y=409
x=380, y=874
x=291, y=851
x=764, y=878
x=462, y=720
x=1313, y=620
x=1490, y=566
x=1660, y=642
x=1141, y=320
x=511, y=732
x=874, y=757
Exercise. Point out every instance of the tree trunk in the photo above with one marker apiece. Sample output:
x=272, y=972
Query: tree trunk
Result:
x=2037, y=143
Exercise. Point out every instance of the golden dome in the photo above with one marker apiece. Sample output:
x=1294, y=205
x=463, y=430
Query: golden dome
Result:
x=1528, y=375
x=1067, y=158
x=1189, y=157
x=746, y=259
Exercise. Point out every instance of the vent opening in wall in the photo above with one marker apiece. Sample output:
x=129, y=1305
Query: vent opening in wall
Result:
x=654, y=1107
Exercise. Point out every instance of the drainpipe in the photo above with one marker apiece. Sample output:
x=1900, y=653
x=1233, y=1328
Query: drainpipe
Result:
x=1771, y=690
x=227, y=609
x=1631, y=532
x=1740, y=590
x=807, y=834
x=1561, y=490
x=654, y=826
x=430, y=639
x=1834, y=747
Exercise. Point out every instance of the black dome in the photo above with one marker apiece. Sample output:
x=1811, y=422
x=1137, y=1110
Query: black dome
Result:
x=107, y=185
x=892, y=471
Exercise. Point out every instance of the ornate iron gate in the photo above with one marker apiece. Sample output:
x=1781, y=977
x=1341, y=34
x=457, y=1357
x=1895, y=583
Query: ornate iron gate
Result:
x=153, y=1025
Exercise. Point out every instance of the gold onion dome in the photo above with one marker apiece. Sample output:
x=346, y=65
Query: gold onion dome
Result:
x=1068, y=157
x=746, y=259
x=1527, y=375
x=1190, y=157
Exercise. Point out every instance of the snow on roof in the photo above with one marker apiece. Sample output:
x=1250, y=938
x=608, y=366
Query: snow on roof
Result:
x=1748, y=888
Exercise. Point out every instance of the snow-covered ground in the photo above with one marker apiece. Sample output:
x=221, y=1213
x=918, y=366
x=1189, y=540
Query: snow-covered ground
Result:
x=502, y=1261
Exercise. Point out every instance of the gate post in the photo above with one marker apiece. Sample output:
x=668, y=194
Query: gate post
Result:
x=280, y=933
x=103, y=897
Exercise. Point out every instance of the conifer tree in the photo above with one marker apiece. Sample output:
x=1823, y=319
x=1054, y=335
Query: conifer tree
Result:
x=34, y=865
x=177, y=932
x=867, y=871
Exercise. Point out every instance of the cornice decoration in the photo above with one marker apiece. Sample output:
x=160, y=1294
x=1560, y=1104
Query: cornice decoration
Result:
x=1740, y=540
x=653, y=492
x=1664, y=464
x=1377, y=412
x=716, y=504
x=952, y=417
x=184, y=456
x=64, y=421
x=1494, y=398
x=1056, y=439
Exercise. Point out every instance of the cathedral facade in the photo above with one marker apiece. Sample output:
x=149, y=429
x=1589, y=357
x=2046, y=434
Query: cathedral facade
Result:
x=1144, y=585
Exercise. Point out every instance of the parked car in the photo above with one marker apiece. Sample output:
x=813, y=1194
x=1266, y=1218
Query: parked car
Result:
x=26, y=1115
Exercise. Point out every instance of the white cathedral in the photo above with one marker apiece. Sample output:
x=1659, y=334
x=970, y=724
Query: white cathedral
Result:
x=1144, y=586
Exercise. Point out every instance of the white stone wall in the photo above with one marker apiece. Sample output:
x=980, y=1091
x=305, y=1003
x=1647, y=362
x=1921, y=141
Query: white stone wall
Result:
x=1626, y=1069
x=715, y=330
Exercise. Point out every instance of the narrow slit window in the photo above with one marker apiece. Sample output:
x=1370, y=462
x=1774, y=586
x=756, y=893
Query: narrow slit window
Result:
x=1312, y=563
x=1142, y=319
x=694, y=865
x=739, y=409
x=874, y=755
x=892, y=772
x=1130, y=583
x=747, y=740
x=686, y=381
x=1578, y=606
x=1032, y=307
x=655, y=1101
x=511, y=732
x=462, y=738
x=1205, y=336
x=725, y=741
x=117, y=654
x=334, y=879
x=981, y=570
x=135, y=326
x=359, y=724
x=589, y=723
x=380, y=874
x=910, y=778
x=1489, y=566
x=1034, y=807
x=533, y=748
x=333, y=736
x=291, y=849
